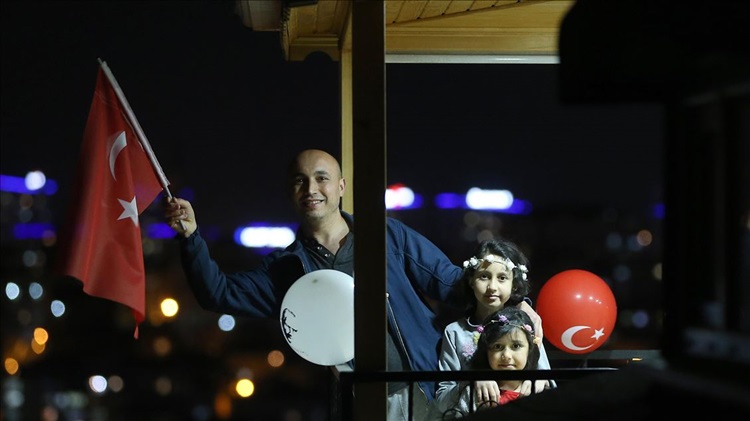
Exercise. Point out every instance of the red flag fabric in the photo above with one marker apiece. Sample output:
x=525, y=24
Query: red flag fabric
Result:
x=116, y=183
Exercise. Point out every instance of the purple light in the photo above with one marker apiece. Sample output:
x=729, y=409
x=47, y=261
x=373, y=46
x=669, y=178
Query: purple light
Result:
x=160, y=231
x=32, y=231
x=14, y=184
x=658, y=211
x=518, y=207
x=450, y=201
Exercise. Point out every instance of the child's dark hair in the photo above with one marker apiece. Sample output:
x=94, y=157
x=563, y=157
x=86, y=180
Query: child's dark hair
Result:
x=499, y=324
x=507, y=250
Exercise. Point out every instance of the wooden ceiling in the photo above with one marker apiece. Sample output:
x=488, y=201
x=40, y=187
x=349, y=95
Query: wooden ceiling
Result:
x=415, y=27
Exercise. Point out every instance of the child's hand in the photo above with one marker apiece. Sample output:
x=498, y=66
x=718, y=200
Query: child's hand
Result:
x=526, y=388
x=538, y=387
x=486, y=391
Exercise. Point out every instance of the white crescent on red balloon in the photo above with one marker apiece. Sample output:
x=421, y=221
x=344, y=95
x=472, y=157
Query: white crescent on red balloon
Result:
x=567, y=337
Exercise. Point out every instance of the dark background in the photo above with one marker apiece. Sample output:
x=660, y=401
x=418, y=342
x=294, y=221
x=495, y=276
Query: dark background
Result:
x=224, y=112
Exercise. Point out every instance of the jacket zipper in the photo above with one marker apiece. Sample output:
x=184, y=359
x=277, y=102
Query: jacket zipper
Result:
x=397, y=331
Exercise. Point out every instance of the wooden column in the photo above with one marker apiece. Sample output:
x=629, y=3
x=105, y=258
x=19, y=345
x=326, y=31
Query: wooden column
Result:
x=369, y=164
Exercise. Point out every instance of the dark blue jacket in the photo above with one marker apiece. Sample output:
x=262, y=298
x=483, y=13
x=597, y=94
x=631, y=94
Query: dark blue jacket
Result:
x=413, y=262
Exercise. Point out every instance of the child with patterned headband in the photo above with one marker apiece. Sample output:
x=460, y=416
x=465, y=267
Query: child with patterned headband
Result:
x=495, y=278
x=507, y=342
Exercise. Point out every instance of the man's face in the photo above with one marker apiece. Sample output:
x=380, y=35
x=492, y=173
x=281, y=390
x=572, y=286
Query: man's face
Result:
x=316, y=185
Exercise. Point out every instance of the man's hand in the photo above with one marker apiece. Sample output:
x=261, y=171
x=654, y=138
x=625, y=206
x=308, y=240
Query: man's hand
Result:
x=180, y=216
x=534, y=318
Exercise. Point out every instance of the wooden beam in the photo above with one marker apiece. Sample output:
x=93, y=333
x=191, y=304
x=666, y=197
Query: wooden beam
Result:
x=368, y=106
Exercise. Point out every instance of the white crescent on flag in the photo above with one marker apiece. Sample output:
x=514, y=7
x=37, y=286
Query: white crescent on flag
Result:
x=117, y=146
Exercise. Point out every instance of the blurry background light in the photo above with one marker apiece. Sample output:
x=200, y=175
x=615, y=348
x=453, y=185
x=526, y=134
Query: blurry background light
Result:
x=398, y=196
x=35, y=290
x=614, y=241
x=57, y=308
x=245, y=388
x=115, y=383
x=40, y=335
x=264, y=236
x=163, y=385
x=477, y=198
x=11, y=365
x=33, y=231
x=275, y=358
x=12, y=291
x=169, y=307
x=644, y=238
x=97, y=384
x=162, y=346
x=226, y=323
x=640, y=319
x=159, y=231
x=449, y=200
x=35, y=180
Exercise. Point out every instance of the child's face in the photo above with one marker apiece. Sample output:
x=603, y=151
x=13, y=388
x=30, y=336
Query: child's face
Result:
x=510, y=352
x=492, y=285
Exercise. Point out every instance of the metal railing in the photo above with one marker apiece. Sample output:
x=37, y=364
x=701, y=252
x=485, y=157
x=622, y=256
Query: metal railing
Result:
x=595, y=362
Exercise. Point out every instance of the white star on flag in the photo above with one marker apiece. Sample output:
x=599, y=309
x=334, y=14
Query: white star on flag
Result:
x=129, y=210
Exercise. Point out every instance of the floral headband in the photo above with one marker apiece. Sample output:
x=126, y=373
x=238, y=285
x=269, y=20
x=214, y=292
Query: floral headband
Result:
x=474, y=262
x=503, y=320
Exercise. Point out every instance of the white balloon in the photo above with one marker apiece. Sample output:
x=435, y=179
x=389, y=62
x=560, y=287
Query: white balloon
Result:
x=317, y=317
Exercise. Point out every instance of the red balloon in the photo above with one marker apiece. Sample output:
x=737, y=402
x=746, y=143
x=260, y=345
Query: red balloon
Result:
x=578, y=311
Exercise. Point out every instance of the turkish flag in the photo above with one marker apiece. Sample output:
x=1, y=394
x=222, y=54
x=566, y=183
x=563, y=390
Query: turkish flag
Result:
x=116, y=183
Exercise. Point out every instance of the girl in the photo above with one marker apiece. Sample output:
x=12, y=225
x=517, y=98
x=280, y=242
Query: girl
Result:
x=507, y=342
x=496, y=277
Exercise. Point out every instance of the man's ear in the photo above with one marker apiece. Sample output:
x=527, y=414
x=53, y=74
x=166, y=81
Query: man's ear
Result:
x=342, y=186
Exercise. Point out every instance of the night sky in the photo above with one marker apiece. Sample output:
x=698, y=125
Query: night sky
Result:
x=223, y=111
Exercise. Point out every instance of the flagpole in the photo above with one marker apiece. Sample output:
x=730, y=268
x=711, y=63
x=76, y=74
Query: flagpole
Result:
x=139, y=132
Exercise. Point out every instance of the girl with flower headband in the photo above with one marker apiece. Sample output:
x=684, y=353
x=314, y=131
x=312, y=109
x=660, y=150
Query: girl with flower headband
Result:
x=507, y=342
x=495, y=278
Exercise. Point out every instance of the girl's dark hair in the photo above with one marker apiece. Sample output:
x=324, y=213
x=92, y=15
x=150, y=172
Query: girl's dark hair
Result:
x=495, y=326
x=507, y=250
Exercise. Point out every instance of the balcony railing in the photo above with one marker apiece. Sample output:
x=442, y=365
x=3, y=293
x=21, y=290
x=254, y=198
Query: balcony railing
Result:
x=577, y=366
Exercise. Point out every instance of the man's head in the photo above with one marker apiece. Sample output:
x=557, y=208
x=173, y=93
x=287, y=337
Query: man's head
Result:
x=316, y=184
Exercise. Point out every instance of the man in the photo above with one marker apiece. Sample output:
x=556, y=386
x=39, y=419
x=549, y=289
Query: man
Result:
x=325, y=240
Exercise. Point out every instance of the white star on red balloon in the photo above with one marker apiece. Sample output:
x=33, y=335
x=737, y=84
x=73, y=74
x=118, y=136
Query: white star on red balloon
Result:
x=129, y=210
x=598, y=333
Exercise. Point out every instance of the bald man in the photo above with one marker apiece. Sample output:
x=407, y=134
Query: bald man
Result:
x=325, y=240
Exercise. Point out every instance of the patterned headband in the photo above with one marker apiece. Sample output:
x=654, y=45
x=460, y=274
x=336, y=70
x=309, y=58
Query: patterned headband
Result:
x=503, y=320
x=474, y=263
